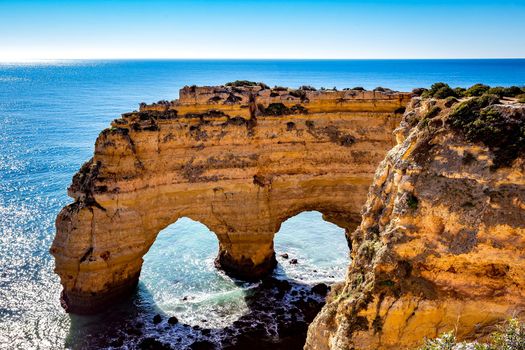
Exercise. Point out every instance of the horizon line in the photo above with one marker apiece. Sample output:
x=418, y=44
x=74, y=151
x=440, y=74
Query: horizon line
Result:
x=29, y=60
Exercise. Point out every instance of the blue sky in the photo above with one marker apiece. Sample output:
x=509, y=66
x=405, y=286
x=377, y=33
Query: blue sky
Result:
x=261, y=29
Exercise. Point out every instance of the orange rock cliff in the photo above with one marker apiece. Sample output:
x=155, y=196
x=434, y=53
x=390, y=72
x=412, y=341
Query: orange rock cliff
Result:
x=240, y=160
x=441, y=245
x=432, y=202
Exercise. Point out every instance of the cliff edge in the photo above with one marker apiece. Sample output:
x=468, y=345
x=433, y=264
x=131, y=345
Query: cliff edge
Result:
x=441, y=245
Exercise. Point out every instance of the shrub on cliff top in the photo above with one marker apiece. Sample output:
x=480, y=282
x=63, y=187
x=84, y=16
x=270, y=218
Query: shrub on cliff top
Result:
x=521, y=98
x=241, y=83
x=468, y=109
x=443, y=90
x=511, y=91
x=479, y=122
x=439, y=90
x=497, y=90
x=299, y=93
x=450, y=101
x=419, y=91
x=307, y=88
x=459, y=91
x=477, y=90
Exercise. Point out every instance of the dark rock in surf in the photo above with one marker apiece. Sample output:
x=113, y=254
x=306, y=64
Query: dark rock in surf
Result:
x=320, y=289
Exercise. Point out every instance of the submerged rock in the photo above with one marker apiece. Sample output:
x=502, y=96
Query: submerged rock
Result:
x=321, y=289
x=157, y=319
x=173, y=320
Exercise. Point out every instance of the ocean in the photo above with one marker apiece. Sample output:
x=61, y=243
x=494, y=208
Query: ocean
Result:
x=50, y=115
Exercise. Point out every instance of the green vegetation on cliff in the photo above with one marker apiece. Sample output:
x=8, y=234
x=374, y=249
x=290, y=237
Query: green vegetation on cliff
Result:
x=481, y=121
x=443, y=90
x=241, y=83
x=510, y=337
x=439, y=90
x=246, y=83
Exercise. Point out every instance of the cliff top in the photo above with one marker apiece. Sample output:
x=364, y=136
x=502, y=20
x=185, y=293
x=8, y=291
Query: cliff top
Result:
x=248, y=100
x=240, y=92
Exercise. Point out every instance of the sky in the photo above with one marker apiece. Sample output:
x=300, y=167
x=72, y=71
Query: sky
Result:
x=288, y=29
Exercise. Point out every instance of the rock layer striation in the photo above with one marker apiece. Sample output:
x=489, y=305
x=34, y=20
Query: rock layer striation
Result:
x=239, y=159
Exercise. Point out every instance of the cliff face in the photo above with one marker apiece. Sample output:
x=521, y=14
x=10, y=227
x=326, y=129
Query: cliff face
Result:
x=442, y=239
x=241, y=160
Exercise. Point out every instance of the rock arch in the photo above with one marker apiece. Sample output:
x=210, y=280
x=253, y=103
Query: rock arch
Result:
x=240, y=160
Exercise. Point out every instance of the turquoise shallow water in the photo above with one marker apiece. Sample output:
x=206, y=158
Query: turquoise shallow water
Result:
x=50, y=115
x=180, y=265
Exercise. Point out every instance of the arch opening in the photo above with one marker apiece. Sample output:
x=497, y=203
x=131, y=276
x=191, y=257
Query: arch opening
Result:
x=311, y=249
x=180, y=277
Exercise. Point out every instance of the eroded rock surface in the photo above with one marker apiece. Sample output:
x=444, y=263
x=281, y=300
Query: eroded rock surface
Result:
x=239, y=159
x=441, y=245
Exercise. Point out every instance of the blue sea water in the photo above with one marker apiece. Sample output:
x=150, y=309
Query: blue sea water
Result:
x=50, y=115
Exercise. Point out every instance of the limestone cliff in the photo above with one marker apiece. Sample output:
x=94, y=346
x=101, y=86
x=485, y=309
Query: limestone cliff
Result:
x=241, y=159
x=441, y=245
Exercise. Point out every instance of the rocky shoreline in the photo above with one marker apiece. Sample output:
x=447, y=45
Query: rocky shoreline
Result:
x=280, y=312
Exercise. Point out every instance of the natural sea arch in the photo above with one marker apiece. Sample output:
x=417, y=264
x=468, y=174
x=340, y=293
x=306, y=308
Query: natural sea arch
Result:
x=238, y=173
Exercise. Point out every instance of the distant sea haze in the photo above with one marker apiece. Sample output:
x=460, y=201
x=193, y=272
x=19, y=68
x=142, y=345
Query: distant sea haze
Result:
x=50, y=116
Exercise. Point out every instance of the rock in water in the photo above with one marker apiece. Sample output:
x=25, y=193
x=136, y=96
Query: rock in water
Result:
x=157, y=319
x=321, y=289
